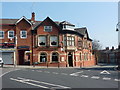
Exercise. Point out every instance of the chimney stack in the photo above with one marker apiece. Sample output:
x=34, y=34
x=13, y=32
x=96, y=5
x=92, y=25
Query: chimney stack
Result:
x=112, y=47
x=33, y=17
x=107, y=48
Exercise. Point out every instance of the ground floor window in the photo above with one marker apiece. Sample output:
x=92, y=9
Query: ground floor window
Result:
x=80, y=56
x=54, y=57
x=43, y=57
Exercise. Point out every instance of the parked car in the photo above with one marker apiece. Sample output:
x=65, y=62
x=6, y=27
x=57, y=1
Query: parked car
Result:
x=1, y=62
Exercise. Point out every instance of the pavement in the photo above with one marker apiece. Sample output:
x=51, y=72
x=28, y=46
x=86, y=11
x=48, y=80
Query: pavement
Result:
x=25, y=66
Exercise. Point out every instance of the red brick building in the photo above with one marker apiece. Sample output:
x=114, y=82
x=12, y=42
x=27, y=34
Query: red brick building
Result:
x=47, y=43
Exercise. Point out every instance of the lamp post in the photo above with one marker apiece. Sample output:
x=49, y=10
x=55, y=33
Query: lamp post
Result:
x=32, y=32
x=15, y=60
x=118, y=56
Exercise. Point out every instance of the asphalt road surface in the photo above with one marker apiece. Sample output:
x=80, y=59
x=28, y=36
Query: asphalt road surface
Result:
x=60, y=78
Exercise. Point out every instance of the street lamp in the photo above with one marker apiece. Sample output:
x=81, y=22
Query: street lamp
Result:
x=15, y=61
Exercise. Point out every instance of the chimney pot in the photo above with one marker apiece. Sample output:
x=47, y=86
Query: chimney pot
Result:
x=112, y=47
x=107, y=48
x=33, y=17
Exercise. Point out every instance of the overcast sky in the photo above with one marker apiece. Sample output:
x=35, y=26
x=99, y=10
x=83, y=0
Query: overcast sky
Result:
x=100, y=18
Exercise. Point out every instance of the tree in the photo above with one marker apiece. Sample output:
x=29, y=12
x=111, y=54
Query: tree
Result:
x=96, y=46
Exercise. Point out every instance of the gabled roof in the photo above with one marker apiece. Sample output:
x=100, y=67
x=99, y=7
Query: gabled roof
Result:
x=83, y=31
x=71, y=32
x=67, y=23
x=8, y=21
x=55, y=23
x=23, y=17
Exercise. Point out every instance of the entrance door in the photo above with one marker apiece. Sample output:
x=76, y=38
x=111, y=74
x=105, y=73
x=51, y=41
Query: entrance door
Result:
x=24, y=57
x=70, y=59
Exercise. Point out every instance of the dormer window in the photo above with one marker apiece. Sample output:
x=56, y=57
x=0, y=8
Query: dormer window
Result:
x=47, y=28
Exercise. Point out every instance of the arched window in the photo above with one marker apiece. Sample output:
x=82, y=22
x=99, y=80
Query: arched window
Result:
x=43, y=57
x=54, y=57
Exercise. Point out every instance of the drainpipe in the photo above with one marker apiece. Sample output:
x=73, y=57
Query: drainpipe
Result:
x=32, y=46
x=15, y=61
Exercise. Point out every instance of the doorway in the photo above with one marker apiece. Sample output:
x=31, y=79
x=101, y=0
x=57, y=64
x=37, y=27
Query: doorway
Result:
x=70, y=59
x=24, y=57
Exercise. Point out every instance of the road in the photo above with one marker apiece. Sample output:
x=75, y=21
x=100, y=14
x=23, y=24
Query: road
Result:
x=60, y=78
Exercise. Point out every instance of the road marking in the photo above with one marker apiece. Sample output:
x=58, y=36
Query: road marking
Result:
x=64, y=73
x=95, y=77
x=84, y=76
x=8, y=72
x=23, y=80
x=105, y=78
x=54, y=72
x=117, y=80
x=33, y=70
x=74, y=74
x=46, y=72
x=38, y=70
x=89, y=70
x=104, y=72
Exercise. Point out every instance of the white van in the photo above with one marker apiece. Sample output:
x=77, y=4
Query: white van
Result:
x=1, y=62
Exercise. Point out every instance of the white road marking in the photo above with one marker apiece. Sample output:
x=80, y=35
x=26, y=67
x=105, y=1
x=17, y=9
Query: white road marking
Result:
x=95, y=77
x=54, y=72
x=84, y=76
x=23, y=80
x=8, y=72
x=117, y=80
x=74, y=74
x=33, y=70
x=28, y=83
x=64, y=73
x=89, y=70
x=46, y=72
x=104, y=72
x=106, y=78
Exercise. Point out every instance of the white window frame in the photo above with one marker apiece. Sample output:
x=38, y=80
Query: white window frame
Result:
x=39, y=40
x=57, y=40
x=44, y=56
x=48, y=27
x=21, y=34
x=3, y=35
x=9, y=34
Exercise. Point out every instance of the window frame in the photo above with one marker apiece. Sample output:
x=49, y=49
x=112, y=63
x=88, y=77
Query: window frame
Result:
x=2, y=35
x=22, y=34
x=51, y=42
x=9, y=34
x=39, y=40
x=70, y=40
x=43, y=56
x=54, y=56
x=47, y=28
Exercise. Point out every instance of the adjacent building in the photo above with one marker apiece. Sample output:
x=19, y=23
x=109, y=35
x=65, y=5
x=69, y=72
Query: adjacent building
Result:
x=45, y=43
x=109, y=56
